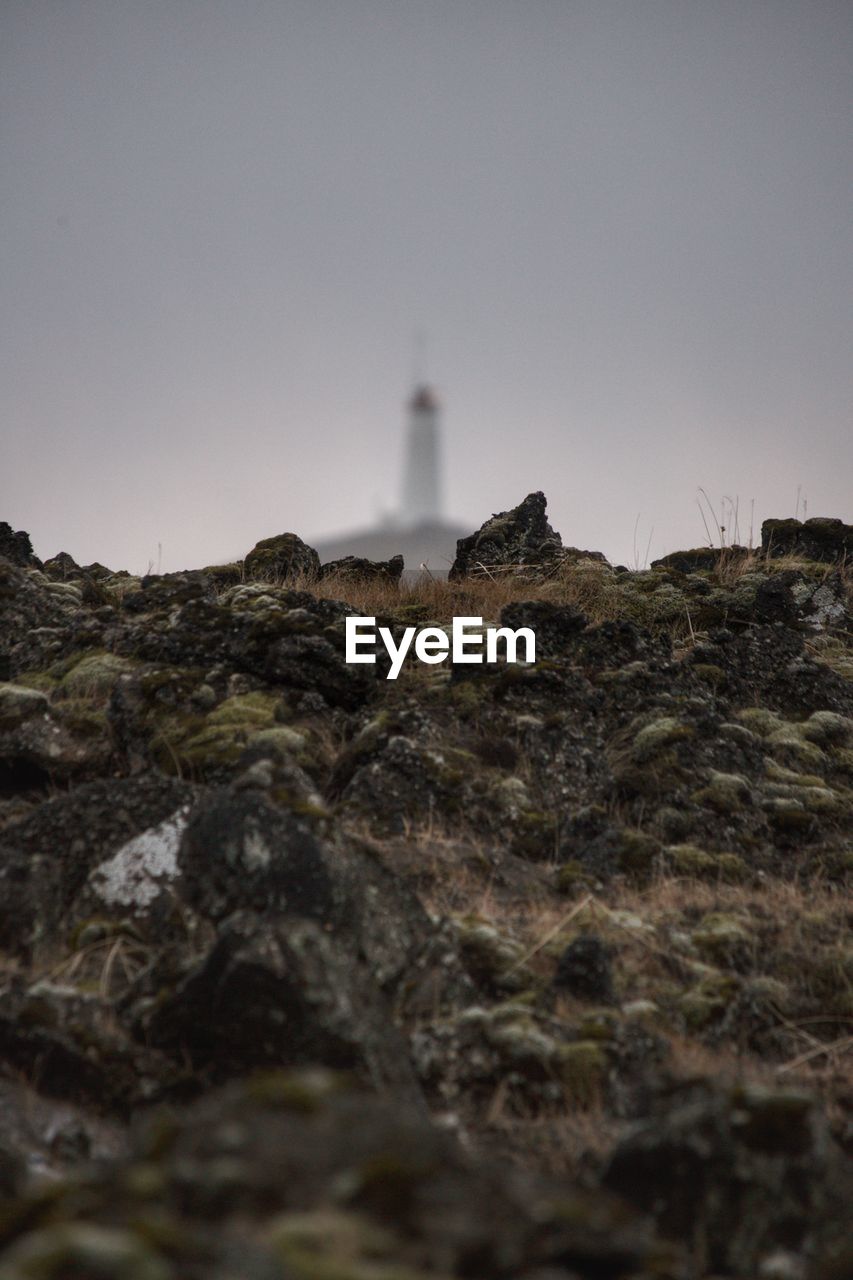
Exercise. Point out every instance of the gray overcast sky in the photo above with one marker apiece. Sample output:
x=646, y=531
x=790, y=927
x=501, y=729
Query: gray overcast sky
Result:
x=625, y=226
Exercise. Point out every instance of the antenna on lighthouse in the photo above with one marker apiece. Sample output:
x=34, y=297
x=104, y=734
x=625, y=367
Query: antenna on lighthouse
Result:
x=419, y=357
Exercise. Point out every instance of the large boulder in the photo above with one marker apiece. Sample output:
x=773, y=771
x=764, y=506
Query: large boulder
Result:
x=821, y=538
x=16, y=546
x=519, y=540
x=281, y=559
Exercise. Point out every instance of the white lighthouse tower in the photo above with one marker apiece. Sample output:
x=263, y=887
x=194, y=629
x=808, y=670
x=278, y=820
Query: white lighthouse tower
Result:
x=421, y=477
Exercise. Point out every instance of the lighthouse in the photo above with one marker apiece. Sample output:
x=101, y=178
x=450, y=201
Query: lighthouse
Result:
x=421, y=475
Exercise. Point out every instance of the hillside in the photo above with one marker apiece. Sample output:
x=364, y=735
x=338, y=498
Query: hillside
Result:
x=539, y=971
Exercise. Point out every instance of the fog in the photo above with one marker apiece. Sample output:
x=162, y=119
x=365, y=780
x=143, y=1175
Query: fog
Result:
x=624, y=227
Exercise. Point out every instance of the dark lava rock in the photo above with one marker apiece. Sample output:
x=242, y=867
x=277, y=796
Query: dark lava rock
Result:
x=795, y=600
x=521, y=539
x=279, y=992
x=357, y=569
x=241, y=851
x=168, y=591
x=46, y=859
x=69, y=1044
x=298, y=1174
x=821, y=538
x=16, y=547
x=769, y=666
x=736, y=1174
x=554, y=625
x=61, y=567
x=25, y=605
x=585, y=970
x=281, y=558
x=700, y=559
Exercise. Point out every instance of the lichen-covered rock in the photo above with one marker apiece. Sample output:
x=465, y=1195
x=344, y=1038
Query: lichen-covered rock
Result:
x=282, y=558
x=357, y=569
x=47, y=858
x=820, y=538
x=520, y=541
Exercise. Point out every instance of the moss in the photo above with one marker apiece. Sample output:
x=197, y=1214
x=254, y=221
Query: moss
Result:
x=82, y=718
x=534, y=835
x=636, y=851
x=95, y=674
x=305, y=1092
x=225, y=575
x=789, y=816
x=708, y=1000
x=759, y=720
x=690, y=860
x=571, y=877
x=84, y=1249
x=202, y=744
x=660, y=734
x=18, y=703
x=790, y=746
x=489, y=954
x=724, y=793
x=722, y=938
x=777, y=773
x=598, y=1024
x=330, y=1244
x=827, y=728
x=245, y=710
x=582, y=1066
x=709, y=674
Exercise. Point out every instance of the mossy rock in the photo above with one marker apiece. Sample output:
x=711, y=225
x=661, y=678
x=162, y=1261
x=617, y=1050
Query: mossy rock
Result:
x=827, y=729
x=760, y=721
x=709, y=674
x=708, y=1001
x=489, y=954
x=777, y=773
x=331, y=1244
x=636, y=851
x=690, y=860
x=246, y=710
x=658, y=736
x=306, y=1091
x=64, y=1249
x=82, y=717
x=790, y=746
x=534, y=835
x=725, y=793
x=598, y=1025
x=19, y=703
x=281, y=738
x=225, y=575
x=573, y=877
x=95, y=675
x=282, y=558
x=723, y=938
x=789, y=817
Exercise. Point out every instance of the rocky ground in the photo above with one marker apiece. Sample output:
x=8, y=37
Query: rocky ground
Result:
x=538, y=972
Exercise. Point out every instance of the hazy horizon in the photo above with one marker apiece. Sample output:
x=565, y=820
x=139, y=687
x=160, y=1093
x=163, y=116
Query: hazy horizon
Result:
x=625, y=228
